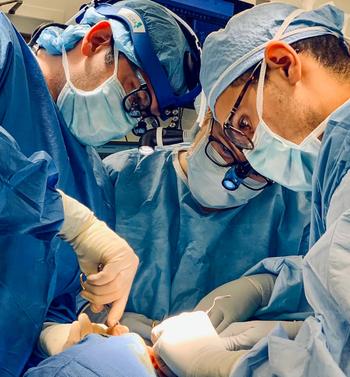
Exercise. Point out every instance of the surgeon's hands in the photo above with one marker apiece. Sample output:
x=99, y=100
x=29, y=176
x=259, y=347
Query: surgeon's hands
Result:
x=244, y=335
x=57, y=337
x=95, y=244
x=83, y=327
x=189, y=346
x=237, y=300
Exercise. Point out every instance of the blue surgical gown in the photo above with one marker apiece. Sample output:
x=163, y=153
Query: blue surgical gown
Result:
x=186, y=252
x=39, y=277
x=322, y=346
x=30, y=204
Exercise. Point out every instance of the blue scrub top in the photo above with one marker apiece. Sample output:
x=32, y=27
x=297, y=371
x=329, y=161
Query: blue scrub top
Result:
x=322, y=346
x=39, y=278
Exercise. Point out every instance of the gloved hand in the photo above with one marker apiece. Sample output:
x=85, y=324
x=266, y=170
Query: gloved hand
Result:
x=138, y=324
x=238, y=300
x=244, y=335
x=189, y=346
x=95, y=244
x=57, y=337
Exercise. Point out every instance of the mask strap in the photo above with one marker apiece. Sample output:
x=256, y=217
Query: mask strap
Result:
x=320, y=128
x=278, y=36
x=202, y=109
x=116, y=60
x=287, y=22
x=66, y=65
x=260, y=90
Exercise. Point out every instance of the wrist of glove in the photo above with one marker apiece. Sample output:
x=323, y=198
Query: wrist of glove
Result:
x=91, y=239
x=57, y=337
x=189, y=345
x=244, y=335
x=53, y=337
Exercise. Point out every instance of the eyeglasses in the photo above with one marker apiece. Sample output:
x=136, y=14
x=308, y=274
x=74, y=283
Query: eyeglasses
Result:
x=235, y=135
x=221, y=155
x=138, y=103
x=217, y=151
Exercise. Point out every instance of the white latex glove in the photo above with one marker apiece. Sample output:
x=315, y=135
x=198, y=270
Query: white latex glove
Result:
x=189, y=345
x=240, y=299
x=244, y=335
x=95, y=244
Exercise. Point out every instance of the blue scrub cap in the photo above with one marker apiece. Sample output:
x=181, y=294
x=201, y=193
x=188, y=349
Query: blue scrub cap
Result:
x=168, y=40
x=230, y=52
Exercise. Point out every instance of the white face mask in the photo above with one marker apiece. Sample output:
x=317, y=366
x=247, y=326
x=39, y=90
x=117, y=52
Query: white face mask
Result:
x=97, y=116
x=204, y=181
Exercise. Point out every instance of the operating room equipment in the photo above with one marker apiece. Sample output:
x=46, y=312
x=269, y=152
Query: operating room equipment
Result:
x=162, y=137
x=173, y=134
x=14, y=8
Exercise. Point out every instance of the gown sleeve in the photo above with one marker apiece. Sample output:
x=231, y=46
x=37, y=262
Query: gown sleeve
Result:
x=29, y=202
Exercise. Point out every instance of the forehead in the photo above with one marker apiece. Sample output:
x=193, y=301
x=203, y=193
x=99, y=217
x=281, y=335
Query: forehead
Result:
x=226, y=101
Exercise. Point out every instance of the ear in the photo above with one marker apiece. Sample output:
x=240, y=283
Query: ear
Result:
x=281, y=56
x=99, y=35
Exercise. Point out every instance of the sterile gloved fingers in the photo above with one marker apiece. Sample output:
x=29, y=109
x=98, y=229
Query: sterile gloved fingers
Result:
x=95, y=245
x=97, y=317
x=57, y=337
x=118, y=302
x=244, y=335
x=190, y=347
x=178, y=339
x=246, y=295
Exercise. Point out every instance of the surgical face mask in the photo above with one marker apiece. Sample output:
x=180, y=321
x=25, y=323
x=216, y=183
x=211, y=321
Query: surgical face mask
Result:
x=289, y=164
x=204, y=180
x=97, y=116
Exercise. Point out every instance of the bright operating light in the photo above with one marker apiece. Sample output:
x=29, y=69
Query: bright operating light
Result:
x=146, y=150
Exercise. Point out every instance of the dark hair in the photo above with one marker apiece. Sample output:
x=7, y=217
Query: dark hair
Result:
x=330, y=51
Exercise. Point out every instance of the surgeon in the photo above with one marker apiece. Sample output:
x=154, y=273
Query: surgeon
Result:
x=195, y=227
x=45, y=107
x=280, y=92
